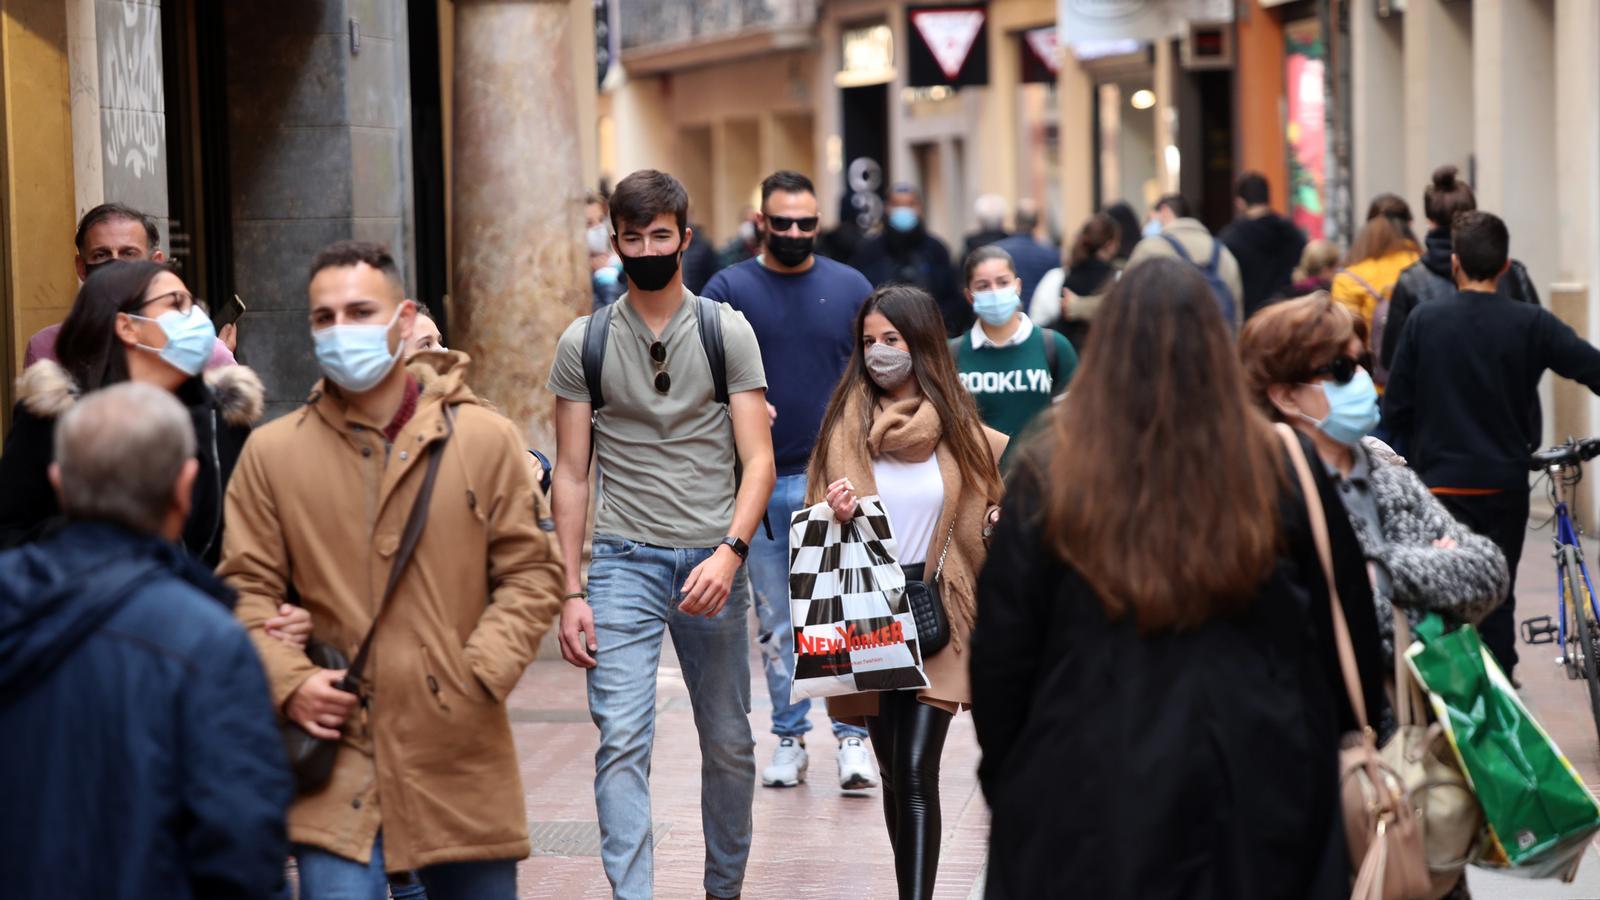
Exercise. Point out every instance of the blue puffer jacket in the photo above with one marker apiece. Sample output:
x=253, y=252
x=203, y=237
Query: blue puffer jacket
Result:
x=139, y=756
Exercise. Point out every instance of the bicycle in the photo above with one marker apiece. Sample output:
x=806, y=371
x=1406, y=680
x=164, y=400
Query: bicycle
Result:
x=1577, y=623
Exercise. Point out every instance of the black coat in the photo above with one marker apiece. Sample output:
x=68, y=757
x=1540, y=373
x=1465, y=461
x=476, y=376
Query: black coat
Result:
x=221, y=406
x=1268, y=250
x=1200, y=764
x=917, y=258
x=142, y=757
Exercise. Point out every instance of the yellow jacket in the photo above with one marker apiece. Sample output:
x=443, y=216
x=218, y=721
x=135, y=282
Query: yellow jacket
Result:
x=1381, y=273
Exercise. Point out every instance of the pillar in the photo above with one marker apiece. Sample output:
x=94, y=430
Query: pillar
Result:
x=1377, y=107
x=1438, y=90
x=518, y=201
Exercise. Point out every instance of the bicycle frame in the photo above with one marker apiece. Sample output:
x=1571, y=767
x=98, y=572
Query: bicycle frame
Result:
x=1568, y=551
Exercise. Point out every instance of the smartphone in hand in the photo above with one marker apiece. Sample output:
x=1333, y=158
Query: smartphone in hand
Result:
x=228, y=313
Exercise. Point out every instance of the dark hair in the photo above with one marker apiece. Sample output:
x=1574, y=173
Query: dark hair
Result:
x=1026, y=218
x=1100, y=230
x=1176, y=203
x=1390, y=206
x=1446, y=196
x=1253, y=189
x=1285, y=341
x=87, y=345
x=982, y=255
x=645, y=194
x=594, y=198
x=916, y=316
x=1160, y=411
x=1481, y=244
x=906, y=187
x=789, y=182
x=1127, y=226
x=348, y=254
x=106, y=212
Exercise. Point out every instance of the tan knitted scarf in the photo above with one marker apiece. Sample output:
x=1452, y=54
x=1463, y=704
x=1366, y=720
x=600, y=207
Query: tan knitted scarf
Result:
x=909, y=430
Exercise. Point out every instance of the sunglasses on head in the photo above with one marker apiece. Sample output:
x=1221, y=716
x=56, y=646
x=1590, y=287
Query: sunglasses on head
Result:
x=1343, y=368
x=783, y=223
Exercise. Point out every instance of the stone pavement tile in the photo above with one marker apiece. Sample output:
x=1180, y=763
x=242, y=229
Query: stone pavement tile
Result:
x=811, y=841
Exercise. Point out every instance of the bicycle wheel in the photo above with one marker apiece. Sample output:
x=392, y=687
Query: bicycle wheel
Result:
x=1588, y=632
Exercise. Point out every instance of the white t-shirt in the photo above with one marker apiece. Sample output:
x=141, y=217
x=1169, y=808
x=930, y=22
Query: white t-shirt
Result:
x=913, y=496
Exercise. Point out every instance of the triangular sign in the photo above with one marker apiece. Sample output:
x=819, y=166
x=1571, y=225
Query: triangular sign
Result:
x=949, y=34
x=1044, y=43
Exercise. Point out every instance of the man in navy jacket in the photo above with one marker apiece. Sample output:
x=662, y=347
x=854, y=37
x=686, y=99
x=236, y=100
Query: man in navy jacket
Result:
x=141, y=758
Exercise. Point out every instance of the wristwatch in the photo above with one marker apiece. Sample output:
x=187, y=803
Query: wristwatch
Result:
x=739, y=547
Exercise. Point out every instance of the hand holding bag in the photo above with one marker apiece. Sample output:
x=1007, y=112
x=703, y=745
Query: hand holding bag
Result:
x=1381, y=828
x=311, y=758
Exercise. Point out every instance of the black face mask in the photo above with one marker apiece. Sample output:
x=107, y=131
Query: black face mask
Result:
x=789, y=250
x=651, y=273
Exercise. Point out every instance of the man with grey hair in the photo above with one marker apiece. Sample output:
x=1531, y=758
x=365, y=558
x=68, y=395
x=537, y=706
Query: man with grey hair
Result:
x=989, y=211
x=143, y=737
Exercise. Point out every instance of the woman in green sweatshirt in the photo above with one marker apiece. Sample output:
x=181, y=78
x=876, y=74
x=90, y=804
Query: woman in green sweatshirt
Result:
x=1013, y=368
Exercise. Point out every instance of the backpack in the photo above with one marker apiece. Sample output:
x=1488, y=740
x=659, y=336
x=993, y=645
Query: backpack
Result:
x=1380, y=318
x=1212, y=271
x=710, y=325
x=1048, y=334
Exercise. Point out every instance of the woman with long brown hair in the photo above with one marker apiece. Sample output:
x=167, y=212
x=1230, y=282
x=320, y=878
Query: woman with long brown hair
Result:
x=900, y=426
x=1383, y=248
x=1155, y=682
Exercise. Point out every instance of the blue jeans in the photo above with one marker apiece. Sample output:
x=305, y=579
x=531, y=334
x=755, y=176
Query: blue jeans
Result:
x=769, y=575
x=634, y=591
x=325, y=876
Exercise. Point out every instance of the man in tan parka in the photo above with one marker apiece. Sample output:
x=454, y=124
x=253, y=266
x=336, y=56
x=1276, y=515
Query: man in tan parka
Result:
x=426, y=774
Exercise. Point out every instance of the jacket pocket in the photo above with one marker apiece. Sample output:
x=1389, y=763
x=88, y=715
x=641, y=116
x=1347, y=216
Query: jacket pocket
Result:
x=435, y=678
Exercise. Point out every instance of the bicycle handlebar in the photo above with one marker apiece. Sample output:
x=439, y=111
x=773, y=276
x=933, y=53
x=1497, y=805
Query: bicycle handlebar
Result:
x=1573, y=451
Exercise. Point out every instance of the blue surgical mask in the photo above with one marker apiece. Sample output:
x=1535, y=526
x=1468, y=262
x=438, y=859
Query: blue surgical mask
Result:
x=190, y=339
x=1352, y=409
x=605, y=276
x=1152, y=227
x=998, y=306
x=903, y=218
x=356, y=357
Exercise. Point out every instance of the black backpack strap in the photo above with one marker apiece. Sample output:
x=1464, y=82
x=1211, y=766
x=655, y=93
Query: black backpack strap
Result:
x=710, y=320
x=594, y=354
x=955, y=348
x=408, y=545
x=1049, y=350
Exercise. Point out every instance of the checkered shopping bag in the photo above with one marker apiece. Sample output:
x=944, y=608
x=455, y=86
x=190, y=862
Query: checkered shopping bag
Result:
x=853, y=630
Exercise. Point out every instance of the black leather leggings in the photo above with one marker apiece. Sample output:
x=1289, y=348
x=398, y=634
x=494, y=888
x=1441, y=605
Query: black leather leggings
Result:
x=908, y=738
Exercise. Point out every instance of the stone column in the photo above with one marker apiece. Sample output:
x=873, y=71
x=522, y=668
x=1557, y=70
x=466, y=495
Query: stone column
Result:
x=1437, y=39
x=517, y=202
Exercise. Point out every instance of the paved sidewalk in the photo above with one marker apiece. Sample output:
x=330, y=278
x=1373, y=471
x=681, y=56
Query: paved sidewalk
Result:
x=810, y=842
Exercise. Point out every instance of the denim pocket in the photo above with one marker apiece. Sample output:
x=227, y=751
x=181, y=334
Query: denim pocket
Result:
x=612, y=548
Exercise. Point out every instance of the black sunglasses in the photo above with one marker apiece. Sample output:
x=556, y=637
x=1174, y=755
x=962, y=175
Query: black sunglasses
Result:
x=1343, y=368
x=658, y=355
x=780, y=224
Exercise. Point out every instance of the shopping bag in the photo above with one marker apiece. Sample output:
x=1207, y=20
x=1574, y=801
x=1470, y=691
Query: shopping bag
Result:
x=1539, y=815
x=853, y=631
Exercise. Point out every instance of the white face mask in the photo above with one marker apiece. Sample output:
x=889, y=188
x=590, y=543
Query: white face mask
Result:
x=356, y=357
x=598, y=237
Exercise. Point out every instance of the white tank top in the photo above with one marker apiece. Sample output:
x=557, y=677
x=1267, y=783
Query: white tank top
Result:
x=913, y=496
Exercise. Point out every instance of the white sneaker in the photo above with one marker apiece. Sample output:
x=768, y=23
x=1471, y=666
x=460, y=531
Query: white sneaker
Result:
x=789, y=764
x=855, y=766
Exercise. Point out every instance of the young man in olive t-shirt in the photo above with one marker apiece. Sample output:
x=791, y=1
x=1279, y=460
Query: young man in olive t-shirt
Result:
x=671, y=534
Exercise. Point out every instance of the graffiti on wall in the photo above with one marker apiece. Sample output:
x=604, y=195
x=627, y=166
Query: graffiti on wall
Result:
x=131, y=88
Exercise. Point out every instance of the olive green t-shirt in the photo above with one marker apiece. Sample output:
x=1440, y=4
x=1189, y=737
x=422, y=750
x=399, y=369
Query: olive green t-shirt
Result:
x=667, y=460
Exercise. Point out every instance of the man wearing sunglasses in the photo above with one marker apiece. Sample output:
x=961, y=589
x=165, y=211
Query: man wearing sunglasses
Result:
x=671, y=532
x=803, y=309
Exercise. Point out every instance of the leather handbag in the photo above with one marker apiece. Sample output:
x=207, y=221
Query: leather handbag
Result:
x=1382, y=831
x=311, y=758
x=927, y=607
x=1441, y=798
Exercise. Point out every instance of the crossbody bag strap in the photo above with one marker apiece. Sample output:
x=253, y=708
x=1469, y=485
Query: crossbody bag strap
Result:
x=1408, y=700
x=1319, y=535
x=948, y=535
x=408, y=545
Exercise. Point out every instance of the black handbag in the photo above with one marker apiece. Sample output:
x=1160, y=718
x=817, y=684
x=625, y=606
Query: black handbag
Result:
x=927, y=607
x=311, y=758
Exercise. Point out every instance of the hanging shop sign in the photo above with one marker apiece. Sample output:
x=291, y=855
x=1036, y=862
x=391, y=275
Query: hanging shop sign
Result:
x=1041, y=55
x=1142, y=20
x=949, y=45
x=868, y=56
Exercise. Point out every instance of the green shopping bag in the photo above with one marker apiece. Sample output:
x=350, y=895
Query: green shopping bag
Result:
x=1539, y=814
